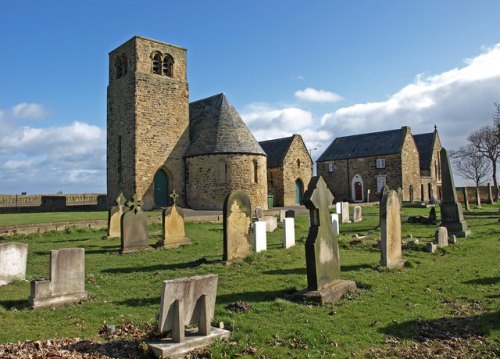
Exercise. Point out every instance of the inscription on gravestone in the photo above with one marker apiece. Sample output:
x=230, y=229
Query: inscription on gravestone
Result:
x=237, y=226
x=134, y=228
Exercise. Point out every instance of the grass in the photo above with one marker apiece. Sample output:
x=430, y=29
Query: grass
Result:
x=458, y=284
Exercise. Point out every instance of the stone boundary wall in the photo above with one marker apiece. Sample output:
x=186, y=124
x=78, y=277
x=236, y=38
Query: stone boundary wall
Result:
x=471, y=191
x=52, y=203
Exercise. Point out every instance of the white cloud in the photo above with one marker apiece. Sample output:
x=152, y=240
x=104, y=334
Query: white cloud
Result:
x=262, y=116
x=29, y=111
x=313, y=95
x=300, y=77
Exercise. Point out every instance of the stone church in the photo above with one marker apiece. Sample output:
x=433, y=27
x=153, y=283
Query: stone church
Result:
x=158, y=142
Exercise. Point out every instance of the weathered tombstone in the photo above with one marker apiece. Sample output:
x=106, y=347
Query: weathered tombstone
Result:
x=432, y=215
x=453, y=239
x=384, y=191
x=390, y=228
x=430, y=247
x=334, y=220
x=441, y=237
x=345, y=213
x=134, y=228
x=282, y=215
x=338, y=207
x=186, y=301
x=67, y=279
x=490, y=195
x=259, y=213
x=173, y=234
x=466, y=199
x=357, y=215
x=114, y=216
x=289, y=233
x=451, y=211
x=400, y=196
x=237, y=229
x=271, y=223
x=322, y=249
x=290, y=213
x=13, y=258
x=478, y=198
x=260, y=236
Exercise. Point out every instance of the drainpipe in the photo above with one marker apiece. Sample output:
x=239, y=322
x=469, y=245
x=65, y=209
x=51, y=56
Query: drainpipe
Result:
x=348, y=180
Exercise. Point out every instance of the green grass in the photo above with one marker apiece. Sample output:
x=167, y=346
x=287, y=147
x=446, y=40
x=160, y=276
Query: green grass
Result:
x=390, y=303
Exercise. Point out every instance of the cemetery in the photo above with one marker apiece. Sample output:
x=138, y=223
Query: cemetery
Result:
x=254, y=293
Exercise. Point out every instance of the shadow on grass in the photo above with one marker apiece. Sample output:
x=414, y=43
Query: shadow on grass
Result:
x=254, y=297
x=483, y=281
x=140, y=302
x=115, y=349
x=14, y=304
x=355, y=267
x=286, y=271
x=445, y=328
x=161, y=267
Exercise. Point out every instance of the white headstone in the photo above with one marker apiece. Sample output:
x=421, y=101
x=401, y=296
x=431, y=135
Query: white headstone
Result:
x=334, y=220
x=271, y=223
x=338, y=207
x=13, y=257
x=345, y=212
x=357, y=215
x=289, y=232
x=260, y=242
x=442, y=236
x=282, y=215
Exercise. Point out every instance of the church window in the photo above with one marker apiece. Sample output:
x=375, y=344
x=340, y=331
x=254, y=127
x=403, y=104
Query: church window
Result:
x=121, y=66
x=298, y=163
x=380, y=162
x=330, y=167
x=156, y=64
x=255, y=172
x=222, y=173
x=168, y=65
x=381, y=182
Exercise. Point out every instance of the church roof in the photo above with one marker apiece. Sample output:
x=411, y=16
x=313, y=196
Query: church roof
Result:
x=364, y=145
x=216, y=127
x=276, y=150
x=425, y=145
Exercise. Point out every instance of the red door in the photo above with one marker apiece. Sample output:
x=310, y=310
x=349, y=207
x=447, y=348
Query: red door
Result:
x=358, y=191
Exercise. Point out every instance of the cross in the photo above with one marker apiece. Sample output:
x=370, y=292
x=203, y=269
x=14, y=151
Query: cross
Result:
x=121, y=200
x=318, y=202
x=174, y=196
x=135, y=203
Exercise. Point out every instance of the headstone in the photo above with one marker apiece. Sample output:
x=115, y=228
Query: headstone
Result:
x=134, y=228
x=114, y=216
x=282, y=215
x=322, y=248
x=260, y=239
x=67, y=279
x=430, y=247
x=432, y=215
x=185, y=302
x=451, y=211
x=271, y=223
x=338, y=207
x=441, y=237
x=400, y=197
x=173, y=234
x=478, y=198
x=259, y=213
x=357, y=215
x=345, y=213
x=237, y=229
x=290, y=213
x=368, y=195
x=384, y=191
x=289, y=233
x=334, y=220
x=453, y=239
x=490, y=194
x=466, y=199
x=390, y=228
x=13, y=258
x=432, y=199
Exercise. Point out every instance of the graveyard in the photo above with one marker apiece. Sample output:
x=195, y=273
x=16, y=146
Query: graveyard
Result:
x=442, y=302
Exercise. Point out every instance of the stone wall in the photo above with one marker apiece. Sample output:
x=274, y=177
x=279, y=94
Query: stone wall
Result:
x=52, y=203
x=213, y=177
x=297, y=165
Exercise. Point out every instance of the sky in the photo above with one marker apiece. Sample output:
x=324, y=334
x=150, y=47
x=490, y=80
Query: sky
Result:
x=322, y=69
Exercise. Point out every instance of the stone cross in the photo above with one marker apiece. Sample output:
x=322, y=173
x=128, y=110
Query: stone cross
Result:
x=135, y=204
x=174, y=196
x=121, y=200
x=114, y=215
x=322, y=246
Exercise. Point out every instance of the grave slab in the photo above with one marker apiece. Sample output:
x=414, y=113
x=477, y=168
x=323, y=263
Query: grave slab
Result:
x=13, y=259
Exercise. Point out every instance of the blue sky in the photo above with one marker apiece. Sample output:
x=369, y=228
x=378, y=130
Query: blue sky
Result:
x=319, y=68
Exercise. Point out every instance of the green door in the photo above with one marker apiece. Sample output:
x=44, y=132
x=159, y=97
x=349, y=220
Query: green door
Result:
x=162, y=190
x=298, y=192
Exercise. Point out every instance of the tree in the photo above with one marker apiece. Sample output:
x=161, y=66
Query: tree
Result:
x=471, y=164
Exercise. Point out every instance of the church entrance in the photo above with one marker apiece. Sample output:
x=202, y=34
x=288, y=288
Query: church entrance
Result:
x=357, y=189
x=161, y=188
x=299, y=189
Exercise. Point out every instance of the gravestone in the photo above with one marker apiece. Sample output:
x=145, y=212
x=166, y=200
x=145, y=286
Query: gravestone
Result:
x=237, y=226
x=173, y=234
x=357, y=214
x=13, y=259
x=441, y=237
x=368, y=195
x=67, y=279
x=282, y=215
x=271, y=223
x=289, y=233
x=478, y=198
x=490, y=195
x=334, y=220
x=432, y=199
x=338, y=207
x=134, y=228
x=432, y=215
x=259, y=213
x=451, y=211
x=290, y=213
x=322, y=249
x=115, y=215
x=384, y=191
x=466, y=199
x=453, y=239
x=400, y=197
x=260, y=236
x=186, y=302
x=430, y=247
x=345, y=212
x=390, y=228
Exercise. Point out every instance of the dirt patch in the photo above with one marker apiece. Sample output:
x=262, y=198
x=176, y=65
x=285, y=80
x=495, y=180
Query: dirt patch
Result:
x=239, y=307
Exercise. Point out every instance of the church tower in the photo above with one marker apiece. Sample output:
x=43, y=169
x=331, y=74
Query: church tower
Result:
x=148, y=121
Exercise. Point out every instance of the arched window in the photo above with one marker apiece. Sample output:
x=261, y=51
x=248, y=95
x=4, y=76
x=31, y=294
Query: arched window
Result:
x=222, y=173
x=124, y=65
x=156, y=64
x=168, y=65
x=119, y=67
x=255, y=172
x=298, y=163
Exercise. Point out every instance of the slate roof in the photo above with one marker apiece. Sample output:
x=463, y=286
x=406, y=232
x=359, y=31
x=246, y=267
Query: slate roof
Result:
x=216, y=127
x=425, y=144
x=276, y=150
x=364, y=145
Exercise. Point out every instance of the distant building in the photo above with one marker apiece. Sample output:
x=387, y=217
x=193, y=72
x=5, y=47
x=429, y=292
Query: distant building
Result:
x=289, y=169
x=353, y=165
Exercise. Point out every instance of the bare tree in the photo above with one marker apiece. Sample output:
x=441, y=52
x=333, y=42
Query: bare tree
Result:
x=471, y=164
